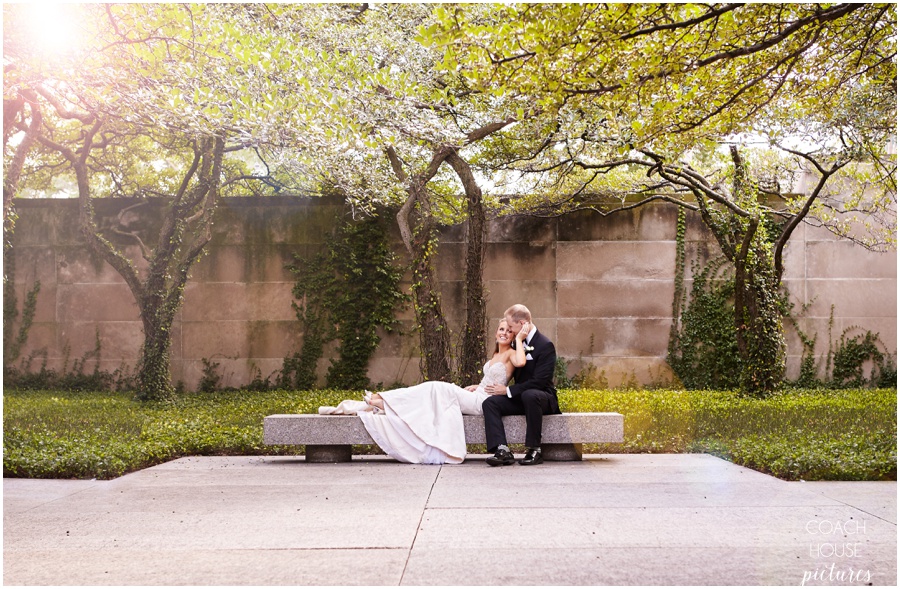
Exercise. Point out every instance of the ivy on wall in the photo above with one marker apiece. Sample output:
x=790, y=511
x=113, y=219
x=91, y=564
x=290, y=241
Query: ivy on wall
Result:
x=853, y=354
x=76, y=378
x=345, y=293
x=808, y=370
x=14, y=339
x=16, y=327
x=703, y=348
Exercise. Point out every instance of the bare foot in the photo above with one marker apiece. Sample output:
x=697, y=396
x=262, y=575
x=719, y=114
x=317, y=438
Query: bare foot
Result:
x=376, y=401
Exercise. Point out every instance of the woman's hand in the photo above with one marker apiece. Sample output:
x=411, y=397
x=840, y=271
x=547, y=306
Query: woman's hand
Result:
x=523, y=333
x=471, y=387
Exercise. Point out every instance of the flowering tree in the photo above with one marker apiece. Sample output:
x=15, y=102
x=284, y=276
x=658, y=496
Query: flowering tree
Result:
x=387, y=128
x=140, y=107
x=573, y=106
x=634, y=101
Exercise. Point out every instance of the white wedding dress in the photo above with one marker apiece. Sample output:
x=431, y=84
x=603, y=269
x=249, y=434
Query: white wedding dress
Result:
x=423, y=424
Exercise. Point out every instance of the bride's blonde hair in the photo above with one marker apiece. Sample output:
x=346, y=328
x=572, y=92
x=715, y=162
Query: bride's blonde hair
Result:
x=496, y=343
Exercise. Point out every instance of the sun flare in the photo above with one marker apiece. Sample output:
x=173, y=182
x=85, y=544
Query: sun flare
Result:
x=53, y=26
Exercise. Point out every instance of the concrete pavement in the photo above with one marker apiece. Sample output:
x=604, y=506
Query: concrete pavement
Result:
x=618, y=519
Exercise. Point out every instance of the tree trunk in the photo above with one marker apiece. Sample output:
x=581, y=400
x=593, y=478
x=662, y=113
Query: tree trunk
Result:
x=762, y=355
x=474, y=339
x=154, y=377
x=435, y=335
x=421, y=243
x=743, y=296
x=434, y=332
x=160, y=296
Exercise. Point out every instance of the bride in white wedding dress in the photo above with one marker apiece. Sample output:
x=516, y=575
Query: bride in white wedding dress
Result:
x=423, y=424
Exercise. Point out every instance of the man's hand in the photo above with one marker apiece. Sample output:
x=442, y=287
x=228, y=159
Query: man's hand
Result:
x=472, y=387
x=495, y=389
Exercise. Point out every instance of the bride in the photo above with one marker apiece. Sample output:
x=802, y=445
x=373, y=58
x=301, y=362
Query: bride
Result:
x=423, y=424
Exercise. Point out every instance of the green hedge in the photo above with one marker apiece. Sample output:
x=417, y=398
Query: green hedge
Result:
x=804, y=434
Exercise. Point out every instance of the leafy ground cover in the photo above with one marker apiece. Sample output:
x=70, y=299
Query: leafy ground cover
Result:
x=799, y=434
x=813, y=434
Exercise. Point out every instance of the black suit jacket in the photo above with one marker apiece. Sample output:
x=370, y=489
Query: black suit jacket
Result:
x=537, y=372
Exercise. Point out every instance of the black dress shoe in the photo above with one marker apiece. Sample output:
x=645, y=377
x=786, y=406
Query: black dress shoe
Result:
x=532, y=457
x=501, y=458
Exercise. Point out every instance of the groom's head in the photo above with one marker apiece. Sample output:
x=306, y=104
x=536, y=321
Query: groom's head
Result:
x=516, y=316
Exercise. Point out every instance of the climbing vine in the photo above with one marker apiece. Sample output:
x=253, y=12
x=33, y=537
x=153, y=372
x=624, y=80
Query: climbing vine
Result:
x=751, y=291
x=703, y=350
x=851, y=356
x=728, y=334
x=678, y=301
x=808, y=371
x=345, y=293
x=14, y=339
x=703, y=345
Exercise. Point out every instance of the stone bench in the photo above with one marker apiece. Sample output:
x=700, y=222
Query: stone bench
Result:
x=328, y=438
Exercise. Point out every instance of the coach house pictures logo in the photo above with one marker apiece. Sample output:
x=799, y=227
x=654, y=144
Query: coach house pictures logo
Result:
x=836, y=544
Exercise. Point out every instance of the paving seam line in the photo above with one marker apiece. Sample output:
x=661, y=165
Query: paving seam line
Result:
x=875, y=515
x=46, y=503
x=419, y=524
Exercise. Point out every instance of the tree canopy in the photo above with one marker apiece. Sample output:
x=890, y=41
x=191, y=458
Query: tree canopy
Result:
x=725, y=109
x=125, y=113
x=616, y=89
x=756, y=116
x=664, y=76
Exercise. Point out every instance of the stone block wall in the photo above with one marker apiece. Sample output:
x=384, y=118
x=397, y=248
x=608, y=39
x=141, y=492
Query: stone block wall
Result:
x=601, y=288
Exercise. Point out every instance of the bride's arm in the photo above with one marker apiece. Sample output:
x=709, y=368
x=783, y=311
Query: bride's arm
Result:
x=517, y=356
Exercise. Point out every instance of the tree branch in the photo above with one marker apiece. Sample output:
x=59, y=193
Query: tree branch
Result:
x=820, y=16
x=145, y=253
x=61, y=110
x=13, y=172
x=482, y=132
x=799, y=216
x=396, y=164
x=712, y=14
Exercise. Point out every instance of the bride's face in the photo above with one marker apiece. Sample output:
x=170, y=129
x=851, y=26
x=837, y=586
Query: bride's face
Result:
x=504, y=335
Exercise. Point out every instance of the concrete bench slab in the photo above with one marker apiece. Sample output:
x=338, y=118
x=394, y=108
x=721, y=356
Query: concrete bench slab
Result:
x=328, y=438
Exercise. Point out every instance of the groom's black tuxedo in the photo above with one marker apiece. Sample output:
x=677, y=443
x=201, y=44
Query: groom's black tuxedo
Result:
x=538, y=371
x=533, y=395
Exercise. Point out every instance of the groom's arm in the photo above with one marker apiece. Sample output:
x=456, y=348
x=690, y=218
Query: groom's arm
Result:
x=542, y=376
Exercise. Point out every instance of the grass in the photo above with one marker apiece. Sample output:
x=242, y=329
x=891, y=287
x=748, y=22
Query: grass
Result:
x=803, y=434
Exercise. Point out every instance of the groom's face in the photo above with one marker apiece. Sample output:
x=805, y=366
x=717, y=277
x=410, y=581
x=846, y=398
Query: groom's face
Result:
x=514, y=325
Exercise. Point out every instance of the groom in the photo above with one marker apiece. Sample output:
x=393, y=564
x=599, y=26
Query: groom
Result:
x=533, y=394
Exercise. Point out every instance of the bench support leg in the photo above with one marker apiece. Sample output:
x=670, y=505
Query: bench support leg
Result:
x=561, y=452
x=317, y=453
x=344, y=453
